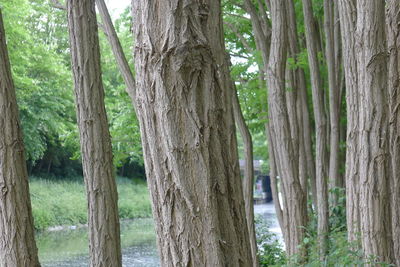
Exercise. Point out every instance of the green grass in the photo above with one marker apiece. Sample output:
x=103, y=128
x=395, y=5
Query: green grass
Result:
x=61, y=202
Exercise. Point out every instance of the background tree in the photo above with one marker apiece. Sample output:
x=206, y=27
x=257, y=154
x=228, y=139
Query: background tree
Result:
x=104, y=232
x=18, y=246
x=321, y=152
x=295, y=200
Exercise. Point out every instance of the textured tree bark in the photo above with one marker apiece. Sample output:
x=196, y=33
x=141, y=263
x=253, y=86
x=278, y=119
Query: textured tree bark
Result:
x=248, y=180
x=393, y=30
x=348, y=16
x=321, y=133
x=295, y=202
x=17, y=239
x=104, y=234
x=334, y=96
x=373, y=135
x=184, y=105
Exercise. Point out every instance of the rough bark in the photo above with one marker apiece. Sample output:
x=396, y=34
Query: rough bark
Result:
x=17, y=239
x=104, y=234
x=393, y=30
x=295, y=202
x=248, y=179
x=348, y=17
x=320, y=122
x=373, y=135
x=184, y=105
x=334, y=94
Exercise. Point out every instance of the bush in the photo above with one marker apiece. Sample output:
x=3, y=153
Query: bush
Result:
x=270, y=250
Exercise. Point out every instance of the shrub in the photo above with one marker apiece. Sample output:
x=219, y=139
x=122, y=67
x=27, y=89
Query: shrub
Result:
x=270, y=250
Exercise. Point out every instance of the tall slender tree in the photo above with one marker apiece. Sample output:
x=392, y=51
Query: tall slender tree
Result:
x=104, y=233
x=295, y=200
x=393, y=24
x=321, y=154
x=184, y=105
x=17, y=239
x=348, y=16
x=248, y=179
x=371, y=54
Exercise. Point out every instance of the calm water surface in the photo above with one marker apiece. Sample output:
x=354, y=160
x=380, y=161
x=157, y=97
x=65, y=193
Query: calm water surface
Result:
x=69, y=248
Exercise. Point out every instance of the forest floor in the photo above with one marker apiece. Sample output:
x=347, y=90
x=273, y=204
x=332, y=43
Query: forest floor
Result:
x=57, y=203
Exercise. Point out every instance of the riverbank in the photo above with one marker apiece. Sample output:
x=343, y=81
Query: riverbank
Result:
x=63, y=202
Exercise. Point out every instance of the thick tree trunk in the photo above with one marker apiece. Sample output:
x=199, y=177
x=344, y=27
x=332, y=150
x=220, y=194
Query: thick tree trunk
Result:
x=248, y=180
x=17, y=239
x=321, y=133
x=295, y=202
x=184, y=105
x=371, y=56
x=348, y=16
x=334, y=94
x=393, y=30
x=104, y=234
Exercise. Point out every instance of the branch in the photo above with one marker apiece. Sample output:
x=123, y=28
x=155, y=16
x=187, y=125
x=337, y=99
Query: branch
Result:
x=117, y=50
x=57, y=4
x=240, y=36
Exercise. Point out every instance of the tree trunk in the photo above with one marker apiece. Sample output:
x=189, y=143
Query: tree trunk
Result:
x=393, y=30
x=17, y=239
x=321, y=133
x=295, y=202
x=248, y=180
x=348, y=16
x=371, y=56
x=104, y=233
x=184, y=105
x=334, y=94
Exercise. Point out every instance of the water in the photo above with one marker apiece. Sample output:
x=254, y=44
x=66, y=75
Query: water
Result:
x=267, y=211
x=69, y=248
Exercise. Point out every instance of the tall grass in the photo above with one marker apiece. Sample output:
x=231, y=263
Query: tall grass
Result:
x=63, y=202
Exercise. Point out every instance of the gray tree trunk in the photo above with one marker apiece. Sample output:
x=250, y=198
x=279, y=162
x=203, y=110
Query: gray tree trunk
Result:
x=334, y=94
x=348, y=16
x=248, y=179
x=371, y=56
x=17, y=239
x=104, y=233
x=393, y=30
x=295, y=202
x=320, y=122
x=184, y=105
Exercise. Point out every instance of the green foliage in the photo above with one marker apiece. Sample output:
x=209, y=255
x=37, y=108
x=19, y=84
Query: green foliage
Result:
x=64, y=202
x=37, y=37
x=270, y=251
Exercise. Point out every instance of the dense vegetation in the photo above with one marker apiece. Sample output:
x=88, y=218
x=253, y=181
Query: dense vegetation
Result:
x=39, y=52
